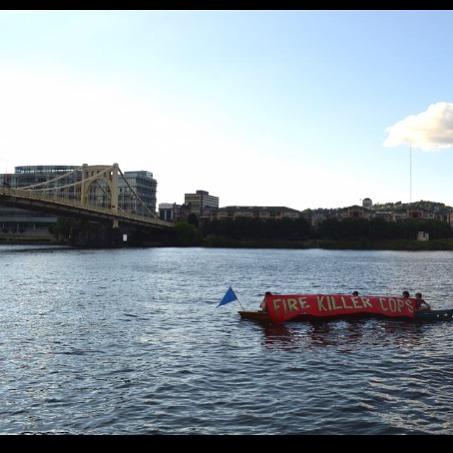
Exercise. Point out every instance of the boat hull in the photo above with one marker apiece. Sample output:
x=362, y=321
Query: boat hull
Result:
x=434, y=315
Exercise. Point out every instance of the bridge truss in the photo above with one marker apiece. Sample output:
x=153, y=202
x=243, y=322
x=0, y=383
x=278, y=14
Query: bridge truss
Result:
x=91, y=192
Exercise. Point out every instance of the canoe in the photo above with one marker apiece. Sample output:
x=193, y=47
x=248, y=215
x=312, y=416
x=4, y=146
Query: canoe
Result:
x=426, y=316
x=434, y=315
x=319, y=307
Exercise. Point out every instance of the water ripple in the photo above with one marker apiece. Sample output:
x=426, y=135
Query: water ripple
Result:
x=130, y=341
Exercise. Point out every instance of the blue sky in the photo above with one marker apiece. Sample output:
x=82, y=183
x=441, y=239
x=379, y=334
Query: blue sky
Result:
x=258, y=108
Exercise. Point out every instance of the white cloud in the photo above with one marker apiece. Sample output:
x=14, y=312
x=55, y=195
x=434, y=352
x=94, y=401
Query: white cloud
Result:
x=428, y=130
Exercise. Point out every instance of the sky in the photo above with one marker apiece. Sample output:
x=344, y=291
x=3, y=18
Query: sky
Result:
x=304, y=109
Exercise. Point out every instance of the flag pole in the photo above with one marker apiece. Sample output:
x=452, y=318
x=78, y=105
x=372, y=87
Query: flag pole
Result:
x=410, y=174
x=239, y=302
x=230, y=296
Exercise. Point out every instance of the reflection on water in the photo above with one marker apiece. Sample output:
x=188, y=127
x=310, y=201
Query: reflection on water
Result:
x=131, y=341
x=342, y=333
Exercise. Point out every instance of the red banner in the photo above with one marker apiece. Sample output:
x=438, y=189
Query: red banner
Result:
x=283, y=307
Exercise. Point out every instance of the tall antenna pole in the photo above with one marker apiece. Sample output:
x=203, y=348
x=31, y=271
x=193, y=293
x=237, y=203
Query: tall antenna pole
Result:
x=410, y=174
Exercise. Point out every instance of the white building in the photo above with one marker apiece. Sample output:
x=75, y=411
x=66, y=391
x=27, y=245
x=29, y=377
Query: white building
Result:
x=144, y=185
x=169, y=211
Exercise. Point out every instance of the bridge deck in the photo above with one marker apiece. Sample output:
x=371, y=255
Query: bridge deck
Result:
x=29, y=200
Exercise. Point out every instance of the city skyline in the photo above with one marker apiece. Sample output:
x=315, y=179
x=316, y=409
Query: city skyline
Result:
x=298, y=109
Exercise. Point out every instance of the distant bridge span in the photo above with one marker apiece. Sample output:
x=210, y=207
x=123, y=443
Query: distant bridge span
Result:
x=73, y=200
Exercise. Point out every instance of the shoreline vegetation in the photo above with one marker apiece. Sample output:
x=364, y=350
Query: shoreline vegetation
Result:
x=221, y=242
x=349, y=234
x=398, y=244
x=332, y=234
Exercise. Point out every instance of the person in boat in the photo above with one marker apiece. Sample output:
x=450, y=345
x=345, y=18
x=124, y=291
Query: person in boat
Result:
x=420, y=304
x=406, y=295
x=355, y=293
x=263, y=303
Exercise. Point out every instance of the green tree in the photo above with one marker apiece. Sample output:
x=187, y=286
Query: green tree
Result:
x=193, y=219
x=188, y=234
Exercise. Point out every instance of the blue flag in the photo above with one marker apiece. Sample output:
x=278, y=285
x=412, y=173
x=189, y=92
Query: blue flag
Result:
x=228, y=297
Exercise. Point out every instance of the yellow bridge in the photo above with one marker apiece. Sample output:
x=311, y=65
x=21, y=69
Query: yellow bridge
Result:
x=71, y=195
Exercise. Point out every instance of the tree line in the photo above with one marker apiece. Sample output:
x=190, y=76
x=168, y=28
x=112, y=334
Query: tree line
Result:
x=330, y=229
x=195, y=233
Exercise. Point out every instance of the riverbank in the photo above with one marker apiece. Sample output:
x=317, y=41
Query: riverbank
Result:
x=362, y=244
x=400, y=244
x=25, y=241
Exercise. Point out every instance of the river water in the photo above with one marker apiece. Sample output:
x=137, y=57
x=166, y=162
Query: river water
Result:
x=130, y=341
